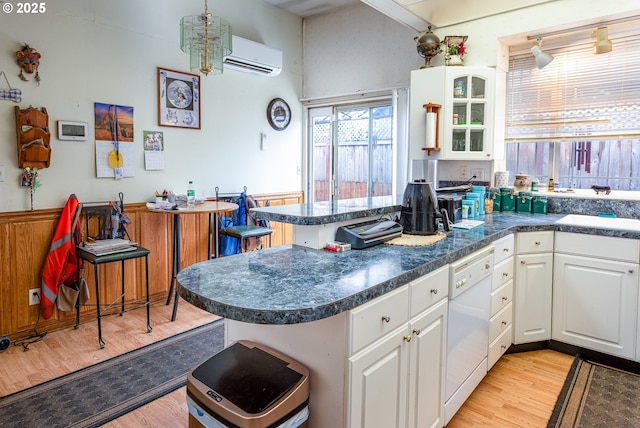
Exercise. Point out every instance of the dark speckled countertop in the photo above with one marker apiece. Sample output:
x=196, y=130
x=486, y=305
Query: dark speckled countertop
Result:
x=328, y=212
x=293, y=284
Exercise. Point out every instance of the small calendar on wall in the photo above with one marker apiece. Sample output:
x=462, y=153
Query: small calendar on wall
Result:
x=153, y=150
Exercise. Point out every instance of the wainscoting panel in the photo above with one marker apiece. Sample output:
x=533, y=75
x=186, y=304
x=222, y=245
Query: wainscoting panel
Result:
x=25, y=238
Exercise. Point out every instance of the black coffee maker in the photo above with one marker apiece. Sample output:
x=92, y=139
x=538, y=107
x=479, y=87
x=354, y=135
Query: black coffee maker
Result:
x=420, y=214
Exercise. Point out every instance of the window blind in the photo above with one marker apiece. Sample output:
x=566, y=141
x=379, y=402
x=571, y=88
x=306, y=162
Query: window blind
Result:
x=577, y=96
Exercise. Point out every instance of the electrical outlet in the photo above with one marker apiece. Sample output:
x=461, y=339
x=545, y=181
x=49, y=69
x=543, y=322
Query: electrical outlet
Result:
x=464, y=171
x=479, y=173
x=34, y=296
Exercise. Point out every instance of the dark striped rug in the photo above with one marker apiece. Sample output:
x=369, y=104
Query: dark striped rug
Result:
x=97, y=394
x=595, y=396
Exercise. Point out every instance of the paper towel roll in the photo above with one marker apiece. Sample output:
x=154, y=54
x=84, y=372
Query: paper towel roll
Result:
x=431, y=130
x=502, y=179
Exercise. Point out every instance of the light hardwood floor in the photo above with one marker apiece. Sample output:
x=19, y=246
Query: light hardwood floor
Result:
x=67, y=350
x=519, y=391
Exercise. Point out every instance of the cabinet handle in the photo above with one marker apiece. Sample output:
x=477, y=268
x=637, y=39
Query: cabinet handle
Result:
x=487, y=266
x=537, y=242
x=506, y=250
x=505, y=274
x=630, y=270
x=505, y=298
x=434, y=290
x=407, y=338
x=523, y=262
x=386, y=318
x=504, y=323
x=416, y=332
x=503, y=347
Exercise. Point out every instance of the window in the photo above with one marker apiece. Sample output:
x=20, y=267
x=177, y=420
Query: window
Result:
x=354, y=158
x=578, y=119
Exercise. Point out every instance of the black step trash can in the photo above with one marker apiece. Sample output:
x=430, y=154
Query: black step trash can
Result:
x=248, y=385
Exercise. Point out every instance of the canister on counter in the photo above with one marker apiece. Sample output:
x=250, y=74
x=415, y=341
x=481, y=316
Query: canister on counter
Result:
x=540, y=205
x=523, y=203
x=488, y=204
x=494, y=194
x=507, y=200
x=471, y=205
x=471, y=196
x=481, y=191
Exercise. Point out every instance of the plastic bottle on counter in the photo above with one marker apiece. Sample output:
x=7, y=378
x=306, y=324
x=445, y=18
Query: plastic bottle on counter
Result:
x=191, y=194
x=551, y=186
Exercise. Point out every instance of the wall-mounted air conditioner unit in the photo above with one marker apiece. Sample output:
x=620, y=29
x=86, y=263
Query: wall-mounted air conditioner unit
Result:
x=252, y=57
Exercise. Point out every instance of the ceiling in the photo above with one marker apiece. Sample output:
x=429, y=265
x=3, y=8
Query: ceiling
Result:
x=415, y=14
x=307, y=8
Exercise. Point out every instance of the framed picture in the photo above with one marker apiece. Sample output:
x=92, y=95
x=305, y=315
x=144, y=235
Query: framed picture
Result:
x=178, y=99
x=113, y=122
x=74, y=131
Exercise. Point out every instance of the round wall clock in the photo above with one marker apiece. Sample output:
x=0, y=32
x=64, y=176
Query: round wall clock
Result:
x=278, y=114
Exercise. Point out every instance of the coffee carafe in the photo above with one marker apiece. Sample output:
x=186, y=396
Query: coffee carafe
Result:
x=420, y=214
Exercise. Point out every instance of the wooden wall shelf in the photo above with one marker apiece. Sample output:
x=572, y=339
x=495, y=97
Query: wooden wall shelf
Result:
x=33, y=138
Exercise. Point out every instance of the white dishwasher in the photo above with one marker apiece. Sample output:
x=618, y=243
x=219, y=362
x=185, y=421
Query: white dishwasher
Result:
x=468, y=327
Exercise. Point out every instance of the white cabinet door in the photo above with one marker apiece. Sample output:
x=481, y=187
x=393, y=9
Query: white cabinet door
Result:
x=378, y=376
x=426, y=368
x=472, y=113
x=595, y=304
x=533, y=297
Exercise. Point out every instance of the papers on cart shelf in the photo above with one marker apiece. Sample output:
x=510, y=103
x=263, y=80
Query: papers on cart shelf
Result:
x=109, y=246
x=468, y=224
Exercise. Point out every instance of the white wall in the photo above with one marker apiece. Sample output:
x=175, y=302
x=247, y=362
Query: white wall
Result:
x=108, y=52
x=356, y=49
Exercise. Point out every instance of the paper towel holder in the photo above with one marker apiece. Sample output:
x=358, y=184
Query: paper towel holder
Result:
x=433, y=108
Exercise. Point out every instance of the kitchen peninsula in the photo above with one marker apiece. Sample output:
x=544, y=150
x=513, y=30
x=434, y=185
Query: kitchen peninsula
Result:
x=301, y=301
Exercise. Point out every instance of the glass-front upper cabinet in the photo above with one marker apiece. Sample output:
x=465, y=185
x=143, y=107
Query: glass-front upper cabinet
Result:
x=469, y=122
x=467, y=137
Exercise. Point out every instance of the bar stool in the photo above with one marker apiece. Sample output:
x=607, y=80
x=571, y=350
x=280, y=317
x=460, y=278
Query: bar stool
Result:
x=241, y=229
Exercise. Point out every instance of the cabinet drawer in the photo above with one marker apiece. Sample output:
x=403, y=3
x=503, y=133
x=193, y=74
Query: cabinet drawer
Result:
x=504, y=248
x=373, y=320
x=500, y=322
x=502, y=272
x=606, y=247
x=535, y=242
x=499, y=346
x=501, y=297
x=429, y=289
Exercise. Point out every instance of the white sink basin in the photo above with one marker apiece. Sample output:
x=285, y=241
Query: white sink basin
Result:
x=601, y=222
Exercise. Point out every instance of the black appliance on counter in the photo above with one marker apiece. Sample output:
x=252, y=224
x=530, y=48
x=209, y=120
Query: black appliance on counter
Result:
x=453, y=205
x=369, y=233
x=420, y=213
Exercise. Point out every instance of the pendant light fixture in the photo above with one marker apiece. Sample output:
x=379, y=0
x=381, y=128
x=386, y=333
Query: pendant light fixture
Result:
x=542, y=58
x=207, y=39
x=602, y=43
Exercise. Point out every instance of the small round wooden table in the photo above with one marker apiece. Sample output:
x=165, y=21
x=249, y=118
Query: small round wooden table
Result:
x=213, y=208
